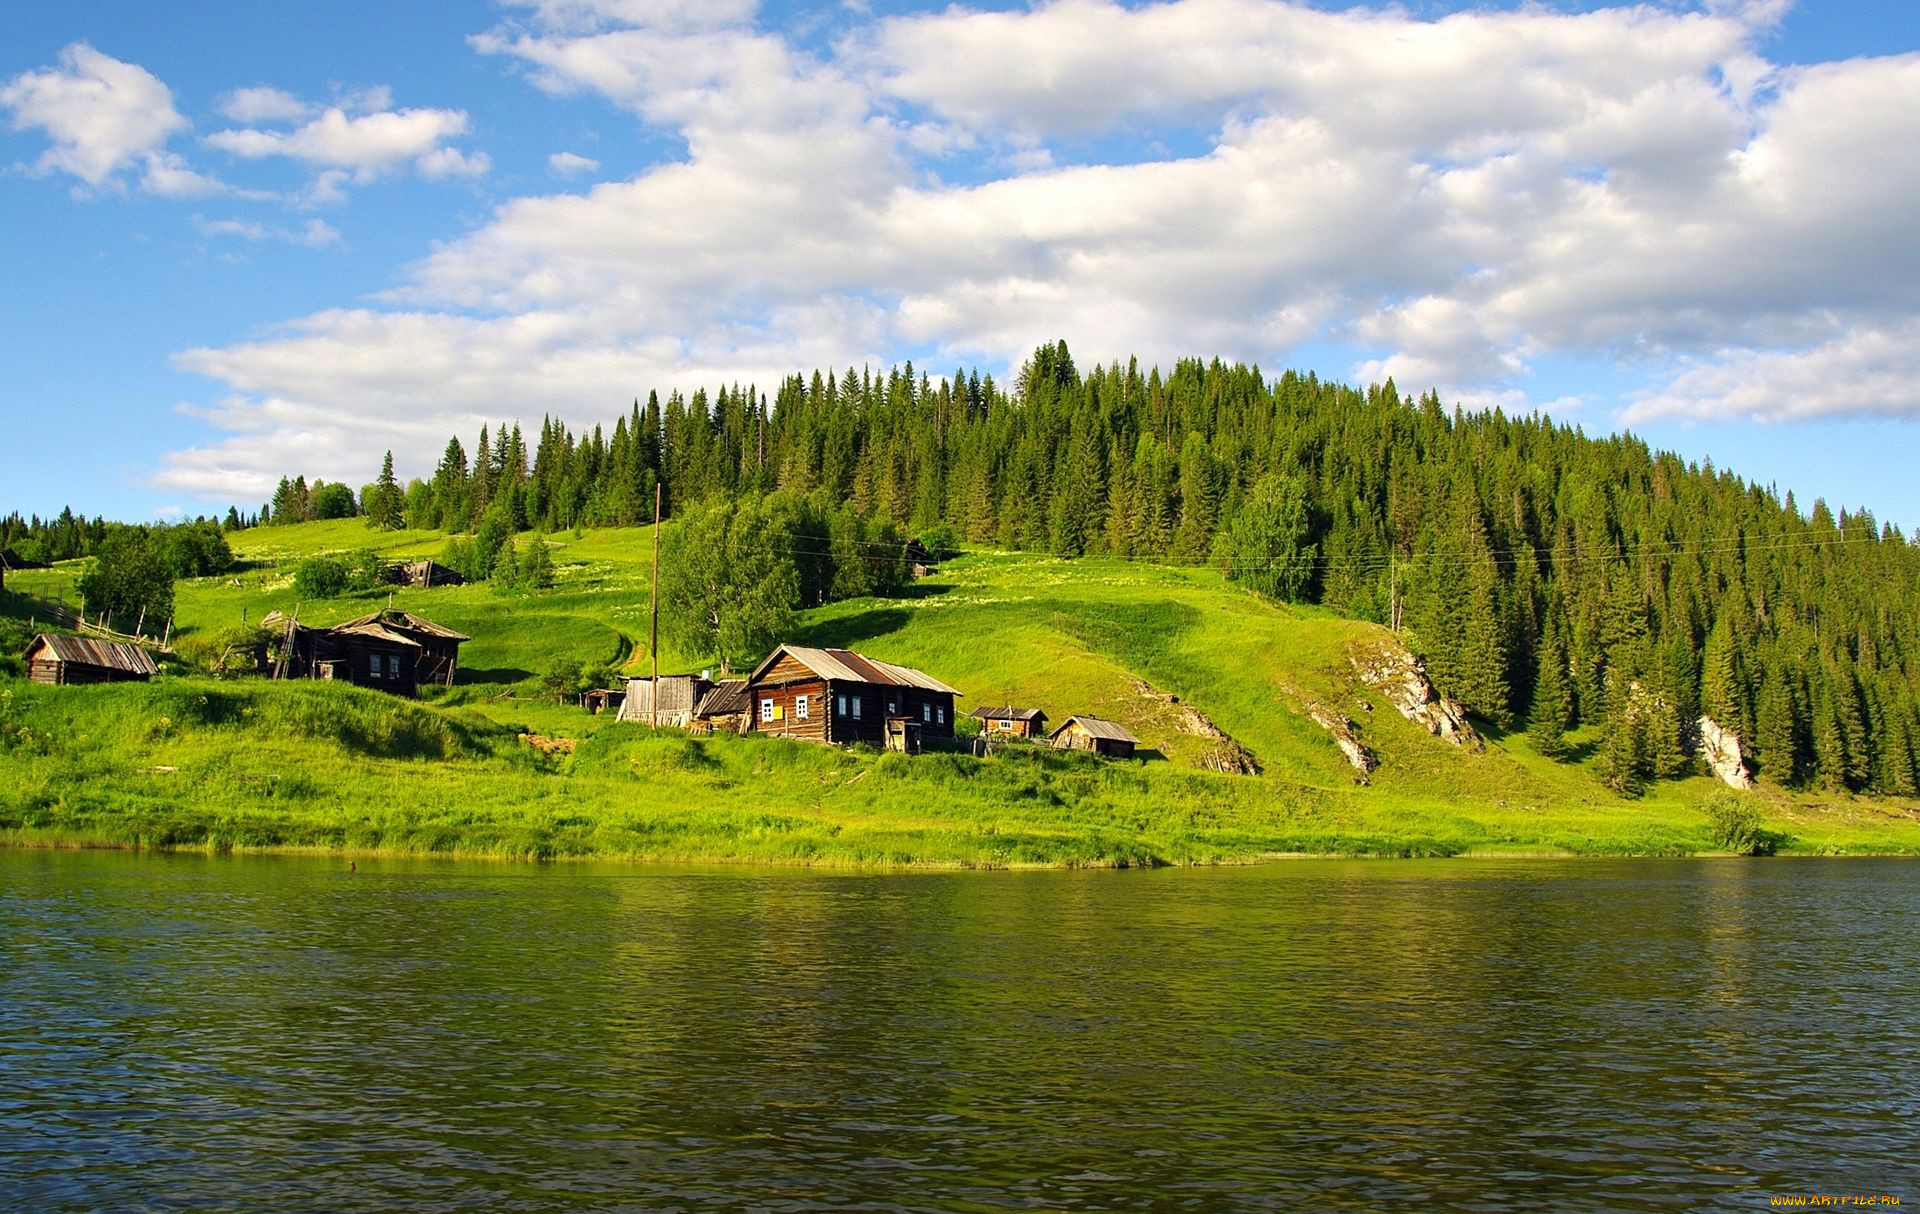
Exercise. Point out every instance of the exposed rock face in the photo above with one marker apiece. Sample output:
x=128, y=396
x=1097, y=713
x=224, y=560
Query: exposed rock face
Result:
x=1721, y=750
x=1390, y=669
x=1346, y=735
x=1226, y=754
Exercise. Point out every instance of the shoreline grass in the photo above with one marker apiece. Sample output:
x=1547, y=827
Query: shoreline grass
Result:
x=206, y=766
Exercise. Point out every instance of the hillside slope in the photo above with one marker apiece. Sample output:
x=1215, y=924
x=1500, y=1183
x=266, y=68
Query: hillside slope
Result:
x=1138, y=643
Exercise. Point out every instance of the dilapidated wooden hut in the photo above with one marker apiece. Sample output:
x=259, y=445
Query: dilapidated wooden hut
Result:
x=724, y=709
x=426, y=574
x=62, y=660
x=1010, y=722
x=1108, y=739
x=600, y=699
x=839, y=696
x=392, y=650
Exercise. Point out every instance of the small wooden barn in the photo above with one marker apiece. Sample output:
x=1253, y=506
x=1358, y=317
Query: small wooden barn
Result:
x=425, y=574
x=678, y=694
x=1108, y=739
x=1011, y=722
x=600, y=699
x=724, y=709
x=918, y=559
x=63, y=660
x=841, y=697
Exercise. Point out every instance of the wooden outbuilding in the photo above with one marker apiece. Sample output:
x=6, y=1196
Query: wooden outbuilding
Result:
x=841, y=697
x=678, y=694
x=1108, y=739
x=64, y=660
x=1011, y=722
x=724, y=709
x=426, y=574
x=918, y=559
x=600, y=699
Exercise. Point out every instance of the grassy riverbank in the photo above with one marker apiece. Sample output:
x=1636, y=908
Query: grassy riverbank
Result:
x=191, y=762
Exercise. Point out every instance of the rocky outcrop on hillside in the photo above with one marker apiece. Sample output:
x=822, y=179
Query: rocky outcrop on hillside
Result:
x=1225, y=754
x=1389, y=668
x=1346, y=735
x=1720, y=750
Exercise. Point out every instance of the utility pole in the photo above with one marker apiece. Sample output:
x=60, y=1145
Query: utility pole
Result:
x=653, y=642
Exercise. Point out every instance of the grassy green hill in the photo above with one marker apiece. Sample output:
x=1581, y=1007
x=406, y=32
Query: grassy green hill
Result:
x=195, y=762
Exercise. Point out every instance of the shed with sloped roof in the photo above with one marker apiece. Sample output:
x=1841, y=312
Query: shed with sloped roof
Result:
x=1006, y=721
x=1108, y=739
x=61, y=660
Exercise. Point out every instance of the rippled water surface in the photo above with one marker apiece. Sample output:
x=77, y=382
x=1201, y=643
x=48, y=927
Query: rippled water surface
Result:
x=274, y=1033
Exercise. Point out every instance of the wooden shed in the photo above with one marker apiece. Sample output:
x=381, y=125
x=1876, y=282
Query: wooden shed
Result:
x=1011, y=722
x=1108, y=739
x=600, y=699
x=919, y=559
x=62, y=660
x=724, y=709
x=678, y=693
x=839, y=696
x=426, y=574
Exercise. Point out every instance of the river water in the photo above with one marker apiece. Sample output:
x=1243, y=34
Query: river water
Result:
x=264, y=1033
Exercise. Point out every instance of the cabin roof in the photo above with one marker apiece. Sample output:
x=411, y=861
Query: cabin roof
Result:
x=374, y=630
x=1113, y=731
x=404, y=620
x=85, y=651
x=1004, y=713
x=847, y=666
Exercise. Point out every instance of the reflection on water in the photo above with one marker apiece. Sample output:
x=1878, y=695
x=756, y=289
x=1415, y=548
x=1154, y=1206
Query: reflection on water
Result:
x=265, y=1033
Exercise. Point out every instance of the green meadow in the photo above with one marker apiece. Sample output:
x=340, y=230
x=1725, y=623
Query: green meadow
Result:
x=194, y=762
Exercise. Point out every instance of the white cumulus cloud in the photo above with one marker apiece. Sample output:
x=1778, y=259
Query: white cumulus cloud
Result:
x=101, y=115
x=571, y=164
x=366, y=145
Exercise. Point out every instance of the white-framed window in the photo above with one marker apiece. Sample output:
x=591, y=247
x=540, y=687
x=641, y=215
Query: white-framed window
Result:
x=926, y=713
x=893, y=708
x=766, y=710
x=856, y=707
x=840, y=705
x=373, y=665
x=800, y=708
x=940, y=716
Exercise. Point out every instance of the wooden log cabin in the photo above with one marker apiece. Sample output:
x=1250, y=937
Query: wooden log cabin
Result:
x=391, y=650
x=1011, y=722
x=1108, y=739
x=840, y=697
x=67, y=660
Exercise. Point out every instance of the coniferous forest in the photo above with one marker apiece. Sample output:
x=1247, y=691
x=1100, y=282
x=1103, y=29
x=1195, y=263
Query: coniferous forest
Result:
x=1551, y=580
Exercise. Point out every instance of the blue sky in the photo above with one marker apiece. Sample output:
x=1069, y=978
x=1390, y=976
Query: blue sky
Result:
x=241, y=245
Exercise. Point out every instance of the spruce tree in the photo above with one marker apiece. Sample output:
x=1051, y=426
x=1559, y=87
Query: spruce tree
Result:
x=1552, y=708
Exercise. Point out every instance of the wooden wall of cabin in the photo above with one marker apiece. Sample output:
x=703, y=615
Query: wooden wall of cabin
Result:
x=56, y=673
x=877, y=703
x=785, y=698
x=357, y=654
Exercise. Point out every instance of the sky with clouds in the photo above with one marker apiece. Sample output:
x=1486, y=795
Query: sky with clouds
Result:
x=242, y=243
